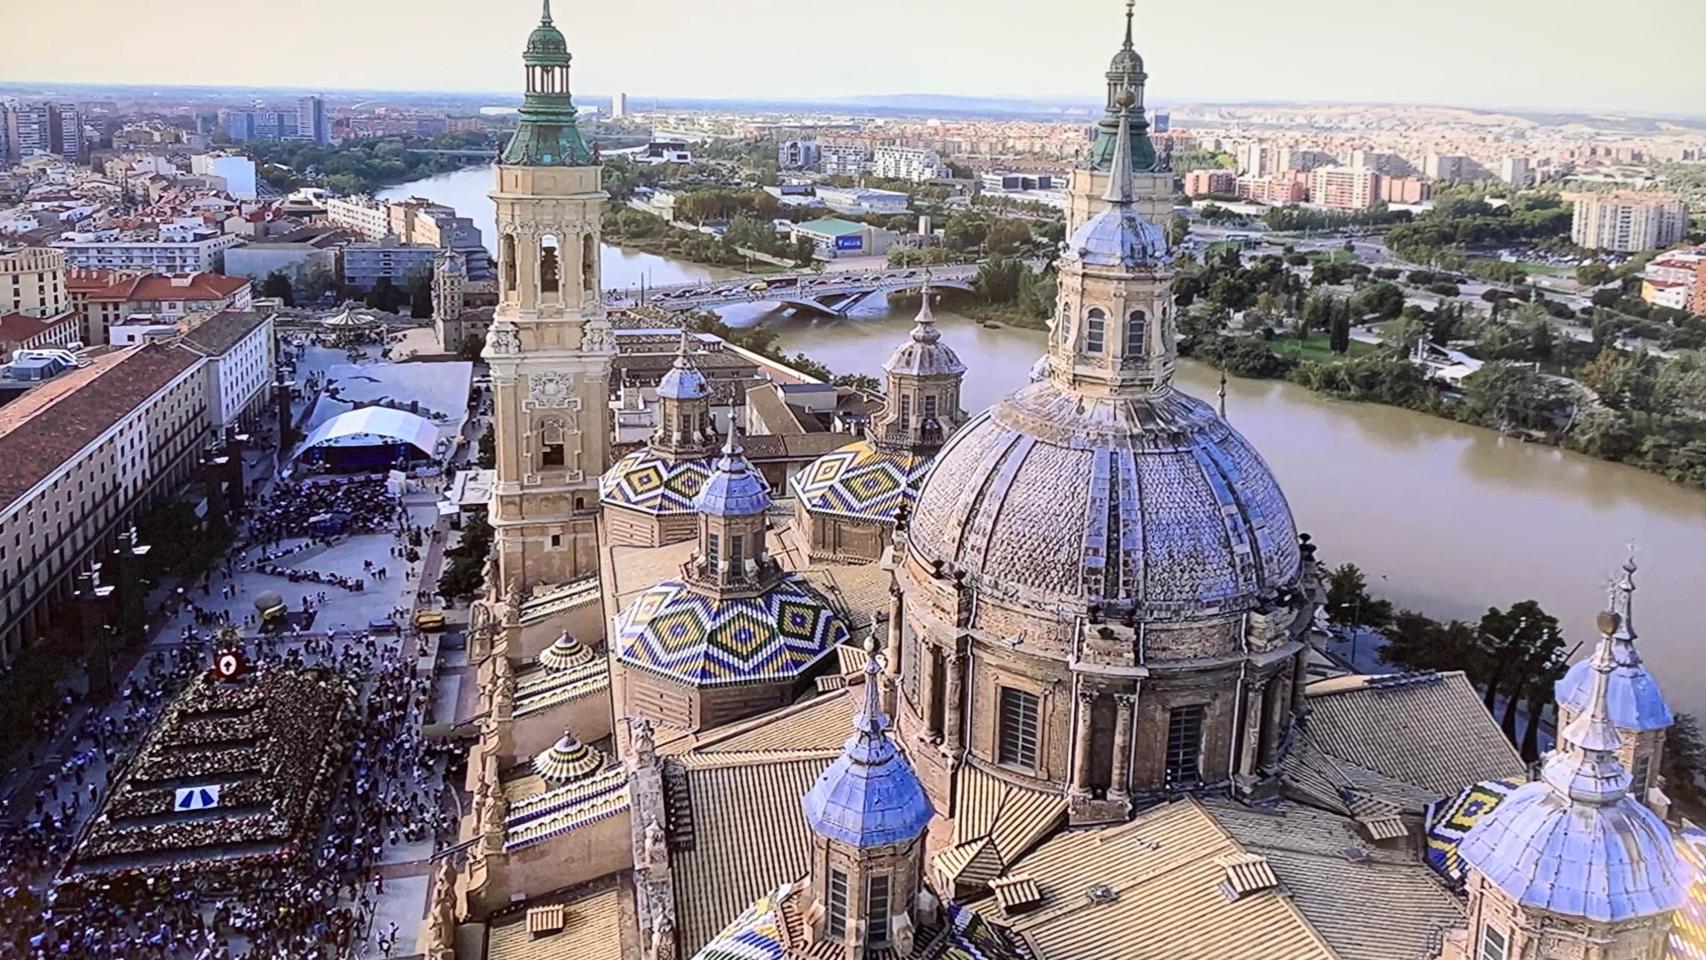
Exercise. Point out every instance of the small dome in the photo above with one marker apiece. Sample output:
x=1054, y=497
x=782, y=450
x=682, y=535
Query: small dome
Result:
x=1033, y=494
x=734, y=489
x=1126, y=65
x=1632, y=695
x=644, y=481
x=1119, y=237
x=705, y=641
x=869, y=796
x=566, y=761
x=565, y=653
x=924, y=354
x=683, y=381
x=861, y=482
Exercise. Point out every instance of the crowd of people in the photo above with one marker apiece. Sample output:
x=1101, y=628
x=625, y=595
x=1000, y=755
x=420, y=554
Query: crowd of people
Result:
x=317, y=907
x=322, y=509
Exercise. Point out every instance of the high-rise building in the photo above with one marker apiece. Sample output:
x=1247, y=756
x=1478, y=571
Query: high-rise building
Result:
x=908, y=163
x=311, y=120
x=1628, y=222
x=550, y=346
x=847, y=160
x=619, y=105
x=1344, y=188
x=1301, y=159
x=1405, y=189
x=1446, y=166
x=1515, y=171
x=237, y=172
x=1255, y=160
x=55, y=128
x=32, y=282
x=1199, y=182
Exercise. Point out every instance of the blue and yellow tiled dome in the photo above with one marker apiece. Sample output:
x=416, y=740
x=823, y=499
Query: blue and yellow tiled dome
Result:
x=701, y=640
x=652, y=484
x=862, y=482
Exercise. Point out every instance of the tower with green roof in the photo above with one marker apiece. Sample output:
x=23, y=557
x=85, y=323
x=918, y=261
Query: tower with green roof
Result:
x=549, y=345
x=1153, y=184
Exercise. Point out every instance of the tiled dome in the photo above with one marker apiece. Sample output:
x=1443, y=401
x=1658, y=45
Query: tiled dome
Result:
x=869, y=796
x=566, y=761
x=1052, y=497
x=1632, y=695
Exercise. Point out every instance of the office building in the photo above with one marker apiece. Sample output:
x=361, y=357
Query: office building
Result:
x=32, y=281
x=365, y=264
x=1201, y=182
x=1344, y=188
x=55, y=128
x=1515, y=171
x=1627, y=222
x=841, y=160
x=238, y=173
x=619, y=106
x=834, y=238
x=797, y=154
x=1450, y=167
x=908, y=163
x=1001, y=182
x=311, y=120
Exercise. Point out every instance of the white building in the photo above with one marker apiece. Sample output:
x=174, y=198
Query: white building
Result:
x=173, y=252
x=1627, y=222
x=239, y=348
x=237, y=172
x=845, y=161
x=361, y=214
x=908, y=163
x=1515, y=171
x=619, y=106
x=863, y=199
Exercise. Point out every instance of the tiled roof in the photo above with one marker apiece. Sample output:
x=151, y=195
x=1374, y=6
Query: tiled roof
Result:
x=222, y=331
x=20, y=327
x=543, y=688
x=995, y=824
x=791, y=446
x=592, y=930
x=1152, y=887
x=543, y=811
x=196, y=286
x=749, y=837
x=1379, y=723
x=38, y=432
x=100, y=284
x=1340, y=894
x=820, y=723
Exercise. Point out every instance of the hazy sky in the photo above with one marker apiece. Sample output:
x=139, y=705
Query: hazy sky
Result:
x=1635, y=55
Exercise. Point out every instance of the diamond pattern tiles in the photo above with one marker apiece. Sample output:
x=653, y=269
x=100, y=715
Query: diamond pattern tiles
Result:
x=1451, y=819
x=861, y=482
x=705, y=641
x=644, y=481
x=1688, y=925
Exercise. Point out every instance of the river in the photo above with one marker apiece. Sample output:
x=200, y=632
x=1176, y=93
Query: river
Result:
x=1445, y=518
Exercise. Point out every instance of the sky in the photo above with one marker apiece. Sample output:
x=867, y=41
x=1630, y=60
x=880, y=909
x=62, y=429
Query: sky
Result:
x=1637, y=56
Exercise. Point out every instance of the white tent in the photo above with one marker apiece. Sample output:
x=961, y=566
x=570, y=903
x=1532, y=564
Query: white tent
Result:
x=370, y=425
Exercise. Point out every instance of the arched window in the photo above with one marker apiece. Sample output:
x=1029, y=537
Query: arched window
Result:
x=549, y=264
x=589, y=264
x=1135, y=324
x=551, y=443
x=1095, y=330
x=509, y=261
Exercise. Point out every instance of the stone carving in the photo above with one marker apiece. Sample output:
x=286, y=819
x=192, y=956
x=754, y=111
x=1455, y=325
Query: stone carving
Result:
x=442, y=919
x=645, y=750
x=503, y=340
x=550, y=390
x=663, y=938
x=656, y=847
x=512, y=604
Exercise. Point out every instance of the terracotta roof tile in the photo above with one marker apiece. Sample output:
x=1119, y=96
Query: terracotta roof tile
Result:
x=50, y=424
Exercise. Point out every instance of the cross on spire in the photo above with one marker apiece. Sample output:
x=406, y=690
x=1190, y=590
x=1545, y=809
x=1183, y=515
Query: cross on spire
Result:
x=1129, y=6
x=545, y=18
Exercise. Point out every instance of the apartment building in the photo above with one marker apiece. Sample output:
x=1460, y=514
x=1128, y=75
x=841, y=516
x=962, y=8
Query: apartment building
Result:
x=1344, y=188
x=1200, y=182
x=1278, y=189
x=915, y=164
x=1677, y=280
x=362, y=215
x=1452, y=167
x=170, y=252
x=32, y=281
x=1516, y=171
x=1405, y=189
x=1627, y=222
x=238, y=345
x=22, y=331
x=842, y=160
x=79, y=455
x=365, y=264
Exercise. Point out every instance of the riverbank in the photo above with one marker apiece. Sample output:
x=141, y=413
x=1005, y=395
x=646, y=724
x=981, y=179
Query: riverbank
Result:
x=974, y=307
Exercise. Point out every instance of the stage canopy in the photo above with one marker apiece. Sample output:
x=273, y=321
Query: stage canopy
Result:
x=369, y=426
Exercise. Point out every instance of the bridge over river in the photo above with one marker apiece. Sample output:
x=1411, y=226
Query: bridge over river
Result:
x=832, y=294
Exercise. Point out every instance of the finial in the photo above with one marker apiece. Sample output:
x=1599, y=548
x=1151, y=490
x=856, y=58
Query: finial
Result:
x=924, y=329
x=1221, y=394
x=1586, y=767
x=1130, y=5
x=872, y=720
x=1120, y=190
x=545, y=18
x=1623, y=604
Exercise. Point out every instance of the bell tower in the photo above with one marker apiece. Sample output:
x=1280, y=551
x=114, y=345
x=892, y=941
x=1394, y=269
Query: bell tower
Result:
x=1152, y=180
x=549, y=346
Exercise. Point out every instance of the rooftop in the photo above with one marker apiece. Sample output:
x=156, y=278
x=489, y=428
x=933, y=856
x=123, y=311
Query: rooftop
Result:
x=833, y=226
x=222, y=331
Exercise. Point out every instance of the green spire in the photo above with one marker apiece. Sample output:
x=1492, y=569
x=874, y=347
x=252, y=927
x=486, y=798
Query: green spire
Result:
x=547, y=135
x=1124, y=73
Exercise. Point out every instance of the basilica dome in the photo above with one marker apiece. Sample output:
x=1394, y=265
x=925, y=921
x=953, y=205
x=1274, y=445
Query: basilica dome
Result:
x=1055, y=498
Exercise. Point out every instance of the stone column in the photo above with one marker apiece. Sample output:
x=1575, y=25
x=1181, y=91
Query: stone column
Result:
x=927, y=688
x=953, y=722
x=1081, y=744
x=896, y=630
x=1125, y=704
x=1254, y=717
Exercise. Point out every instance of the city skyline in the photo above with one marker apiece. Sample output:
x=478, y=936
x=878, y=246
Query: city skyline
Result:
x=1421, y=62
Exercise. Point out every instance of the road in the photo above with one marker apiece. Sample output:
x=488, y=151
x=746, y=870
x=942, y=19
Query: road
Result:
x=800, y=286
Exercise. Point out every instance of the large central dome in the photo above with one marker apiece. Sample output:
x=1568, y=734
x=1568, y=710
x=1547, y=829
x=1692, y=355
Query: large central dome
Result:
x=1053, y=498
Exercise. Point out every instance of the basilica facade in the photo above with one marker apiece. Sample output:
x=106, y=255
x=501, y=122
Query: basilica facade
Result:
x=1038, y=681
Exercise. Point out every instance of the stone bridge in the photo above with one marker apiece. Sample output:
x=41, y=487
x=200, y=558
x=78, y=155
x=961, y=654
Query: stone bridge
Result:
x=829, y=293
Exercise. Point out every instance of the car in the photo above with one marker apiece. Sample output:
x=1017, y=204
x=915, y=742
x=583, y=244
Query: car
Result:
x=429, y=621
x=757, y=286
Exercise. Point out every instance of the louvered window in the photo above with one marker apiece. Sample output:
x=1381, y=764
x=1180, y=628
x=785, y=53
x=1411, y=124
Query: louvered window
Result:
x=1184, y=744
x=1018, y=728
x=1095, y=330
x=1494, y=946
x=877, y=911
x=835, y=924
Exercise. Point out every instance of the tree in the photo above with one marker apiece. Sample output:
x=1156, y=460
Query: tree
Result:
x=1592, y=273
x=1384, y=300
x=420, y=294
x=804, y=252
x=858, y=381
x=1684, y=761
x=1339, y=337
x=471, y=347
x=998, y=279
x=277, y=286
x=1177, y=229
x=1510, y=641
x=1348, y=599
x=486, y=454
x=386, y=296
x=1506, y=395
